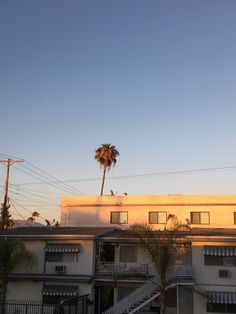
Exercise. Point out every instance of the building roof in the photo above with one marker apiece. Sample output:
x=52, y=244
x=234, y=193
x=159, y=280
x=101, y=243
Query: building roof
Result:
x=195, y=234
x=57, y=232
x=151, y=200
x=109, y=233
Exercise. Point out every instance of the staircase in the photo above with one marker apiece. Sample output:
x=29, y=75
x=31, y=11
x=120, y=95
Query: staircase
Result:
x=136, y=300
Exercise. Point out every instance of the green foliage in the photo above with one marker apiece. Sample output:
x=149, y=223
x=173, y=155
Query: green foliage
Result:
x=163, y=246
x=9, y=222
x=13, y=254
x=106, y=156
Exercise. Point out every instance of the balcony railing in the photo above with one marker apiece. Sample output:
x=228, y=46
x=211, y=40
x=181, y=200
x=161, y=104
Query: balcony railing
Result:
x=137, y=269
x=123, y=269
x=181, y=272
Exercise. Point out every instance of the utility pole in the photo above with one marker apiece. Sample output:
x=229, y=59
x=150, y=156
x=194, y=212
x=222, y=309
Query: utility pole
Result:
x=5, y=205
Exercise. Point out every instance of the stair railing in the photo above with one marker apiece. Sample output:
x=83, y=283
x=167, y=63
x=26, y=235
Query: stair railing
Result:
x=138, y=294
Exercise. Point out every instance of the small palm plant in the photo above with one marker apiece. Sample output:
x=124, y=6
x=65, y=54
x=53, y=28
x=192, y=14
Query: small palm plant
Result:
x=106, y=155
x=13, y=254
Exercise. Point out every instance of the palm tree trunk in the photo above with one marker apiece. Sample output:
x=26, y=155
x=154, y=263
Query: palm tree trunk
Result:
x=103, y=179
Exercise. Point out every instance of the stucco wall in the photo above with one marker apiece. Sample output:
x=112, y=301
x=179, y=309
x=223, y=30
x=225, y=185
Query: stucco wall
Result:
x=95, y=211
x=24, y=290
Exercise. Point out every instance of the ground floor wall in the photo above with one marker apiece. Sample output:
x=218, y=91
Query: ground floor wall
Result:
x=24, y=290
x=32, y=290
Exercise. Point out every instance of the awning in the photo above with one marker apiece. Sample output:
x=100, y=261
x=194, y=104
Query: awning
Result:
x=220, y=250
x=62, y=248
x=64, y=291
x=221, y=297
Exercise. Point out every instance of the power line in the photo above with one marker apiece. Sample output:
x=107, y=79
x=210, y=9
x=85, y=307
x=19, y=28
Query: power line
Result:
x=153, y=174
x=53, y=184
x=33, y=196
x=43, y=171
x=20, y=214
x=57, y=183
x=29, y=211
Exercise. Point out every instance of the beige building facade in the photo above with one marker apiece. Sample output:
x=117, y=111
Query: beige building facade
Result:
x=203, y=211
x=92, y=254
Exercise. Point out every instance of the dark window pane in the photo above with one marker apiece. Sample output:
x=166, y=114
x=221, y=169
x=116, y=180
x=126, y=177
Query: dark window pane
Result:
x=127, y=254
x=195, y=218
x=54, y=257
x=153, y=218
x=212, y=260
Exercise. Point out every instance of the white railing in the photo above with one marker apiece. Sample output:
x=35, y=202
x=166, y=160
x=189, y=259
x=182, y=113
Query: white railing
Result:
x=113, y=269
x=140, y=293
x=149, y=290
x=181, y=271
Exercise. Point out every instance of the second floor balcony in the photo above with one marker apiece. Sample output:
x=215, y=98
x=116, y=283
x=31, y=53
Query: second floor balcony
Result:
x=114, y=270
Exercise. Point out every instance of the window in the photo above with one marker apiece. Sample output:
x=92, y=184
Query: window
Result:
x=119, y=218
x=127, y=254
x=54, y=257
x=211, y=260
x=157, y=217
x=61, y=257
x=220, y=255
x=200, y=218
x=235, y=218
x=221, y=308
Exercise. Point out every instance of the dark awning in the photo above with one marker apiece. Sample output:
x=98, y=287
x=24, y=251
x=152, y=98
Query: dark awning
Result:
x=64, y=291
x=220, y=250
x=62, y=248
x=221, y=297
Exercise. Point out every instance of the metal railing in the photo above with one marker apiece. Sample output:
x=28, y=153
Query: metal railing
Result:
x=30, y=307
x=120, y=269
x=76, y=305
x=149, y=290
x=181, y=272
x=123, y=305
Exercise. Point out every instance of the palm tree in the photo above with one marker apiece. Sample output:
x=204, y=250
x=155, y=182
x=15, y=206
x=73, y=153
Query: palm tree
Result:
x=163, y=246
x=106, y=155
x=13, y=254
x=33, y=217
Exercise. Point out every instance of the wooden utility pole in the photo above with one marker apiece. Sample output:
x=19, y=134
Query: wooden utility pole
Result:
x=5, y=205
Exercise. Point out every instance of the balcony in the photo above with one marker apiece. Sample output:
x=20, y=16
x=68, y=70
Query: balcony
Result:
x=122, y=269
x=177, y=272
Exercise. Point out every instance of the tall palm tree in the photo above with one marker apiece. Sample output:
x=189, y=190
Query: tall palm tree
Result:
x=13, y=254
x=106, y=155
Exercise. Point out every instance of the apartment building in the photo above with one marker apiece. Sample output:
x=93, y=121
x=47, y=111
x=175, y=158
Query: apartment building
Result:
x=92, y=254
x=204, y=281
x=63, y=267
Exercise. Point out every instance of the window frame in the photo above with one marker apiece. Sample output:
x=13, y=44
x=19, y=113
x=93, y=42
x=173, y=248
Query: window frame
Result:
x=234, y=213
x=157, y=213
x=119, y=219
x=200, y=219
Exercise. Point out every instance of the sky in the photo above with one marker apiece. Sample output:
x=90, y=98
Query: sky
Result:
x=156, y=78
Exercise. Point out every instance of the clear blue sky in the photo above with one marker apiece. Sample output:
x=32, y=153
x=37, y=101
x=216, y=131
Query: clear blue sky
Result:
x=156, y=78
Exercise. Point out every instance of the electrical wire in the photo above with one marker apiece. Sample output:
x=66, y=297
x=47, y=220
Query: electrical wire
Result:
x=40, y=217
x=56, y=181
x=19, y=214
x=154, y=174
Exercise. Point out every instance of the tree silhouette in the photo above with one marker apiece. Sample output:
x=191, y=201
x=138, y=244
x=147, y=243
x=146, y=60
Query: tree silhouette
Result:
x=106, y=155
